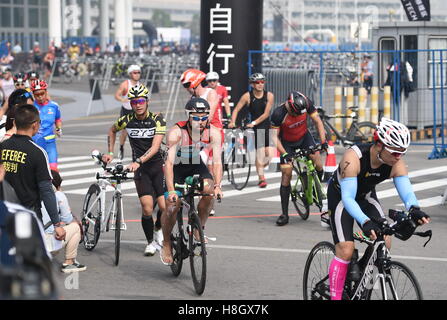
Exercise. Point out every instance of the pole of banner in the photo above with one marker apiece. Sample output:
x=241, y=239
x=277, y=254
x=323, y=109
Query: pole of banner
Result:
x=374, y=105
x=338, y=107
x=362, y=104
x=387, y=102
x=349, y=103
x=443, y=150
x=435, y=153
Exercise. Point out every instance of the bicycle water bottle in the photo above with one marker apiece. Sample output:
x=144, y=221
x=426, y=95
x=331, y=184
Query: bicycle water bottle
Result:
x=354, y=269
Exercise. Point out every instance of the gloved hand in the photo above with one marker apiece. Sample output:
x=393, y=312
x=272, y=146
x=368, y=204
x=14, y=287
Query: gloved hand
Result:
x=287, y=157
x=324, y=146
x=417, y=215
x=372, y=229
x=59, y=132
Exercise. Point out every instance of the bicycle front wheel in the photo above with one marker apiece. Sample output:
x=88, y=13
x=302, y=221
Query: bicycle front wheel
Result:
x=239, y=167
x=316, y=272
x=91, y=217
x=177, y=245
x=363, y=132
x=298, y=197
x=197, y=254
x=400, y=284
x=118, y=218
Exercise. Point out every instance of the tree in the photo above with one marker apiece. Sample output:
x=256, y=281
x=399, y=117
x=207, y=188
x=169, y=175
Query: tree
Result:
x=161, y=19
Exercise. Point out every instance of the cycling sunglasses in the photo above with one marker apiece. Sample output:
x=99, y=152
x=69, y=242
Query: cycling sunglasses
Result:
x=195, y=118
x=396, y=153
x=259, y=82
x=186, y=85
x=137, y=102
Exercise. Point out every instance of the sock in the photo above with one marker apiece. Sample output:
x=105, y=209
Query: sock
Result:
x=337, y=276
x=285, y=195
x=158, y=221
x=148, y=228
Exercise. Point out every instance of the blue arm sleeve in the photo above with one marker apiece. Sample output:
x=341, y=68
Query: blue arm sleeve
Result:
x=405, y=190
x=348, y=192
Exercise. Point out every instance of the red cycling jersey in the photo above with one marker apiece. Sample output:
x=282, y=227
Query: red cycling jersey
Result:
x=292, y=128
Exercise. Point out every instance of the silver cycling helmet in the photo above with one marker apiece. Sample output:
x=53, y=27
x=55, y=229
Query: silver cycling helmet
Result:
x=256, y=77
x=212, y=76
x=393, y=134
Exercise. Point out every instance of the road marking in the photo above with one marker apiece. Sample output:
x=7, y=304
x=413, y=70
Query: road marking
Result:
x=282, y=250
x=89, y=124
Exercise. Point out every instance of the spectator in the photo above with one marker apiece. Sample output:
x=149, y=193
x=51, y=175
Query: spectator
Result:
x=71, y=226
x=27, y=169
x=48, y=62
x=74, y=51
x=37, y=56
x=117, y=48
x=7, y=83
x=17, y=49
x=367, y=71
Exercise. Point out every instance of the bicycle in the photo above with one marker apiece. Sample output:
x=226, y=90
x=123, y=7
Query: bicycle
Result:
x=358, y=132
x=307, y=189
x=375, y=275
x=236, y=156
x=95, y=218
x=189, y=240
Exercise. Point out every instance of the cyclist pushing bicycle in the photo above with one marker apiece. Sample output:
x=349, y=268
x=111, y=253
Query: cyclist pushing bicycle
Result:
x=352, y=195
x=187, y=141
x=289, y=124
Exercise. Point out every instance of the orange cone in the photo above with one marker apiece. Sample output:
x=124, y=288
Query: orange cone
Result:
x=331, y=161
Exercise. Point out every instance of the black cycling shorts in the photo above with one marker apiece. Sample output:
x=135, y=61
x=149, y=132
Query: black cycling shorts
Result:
x=125, y=112
x=182, y=171
x=150, y=179
x=342, y=223
x=262, y=138
x=306, y=141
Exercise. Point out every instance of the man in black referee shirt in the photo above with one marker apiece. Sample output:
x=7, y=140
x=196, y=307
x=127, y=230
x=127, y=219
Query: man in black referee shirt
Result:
x=27, y=168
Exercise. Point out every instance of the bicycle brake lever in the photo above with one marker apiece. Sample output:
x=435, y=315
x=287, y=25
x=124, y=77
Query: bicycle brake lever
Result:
x=425, y=234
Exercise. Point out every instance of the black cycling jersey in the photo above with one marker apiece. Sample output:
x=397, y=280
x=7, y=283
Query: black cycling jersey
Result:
x=257, y=107
x=141, y=132
x=368, y=178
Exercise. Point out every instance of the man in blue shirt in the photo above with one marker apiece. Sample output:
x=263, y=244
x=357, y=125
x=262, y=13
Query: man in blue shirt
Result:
x=50, y=117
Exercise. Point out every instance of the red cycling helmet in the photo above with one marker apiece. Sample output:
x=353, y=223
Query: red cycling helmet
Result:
x=191, y=78
x=37, y=85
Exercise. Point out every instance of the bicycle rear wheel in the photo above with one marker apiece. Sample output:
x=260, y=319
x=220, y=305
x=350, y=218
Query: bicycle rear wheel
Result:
x=316, y=277
x=400, y=284
x=91, y=217
x=118, y=218
x=362, y=132
x=239, y=167
x=197, y=254
x=298, y=197
x=178, y=247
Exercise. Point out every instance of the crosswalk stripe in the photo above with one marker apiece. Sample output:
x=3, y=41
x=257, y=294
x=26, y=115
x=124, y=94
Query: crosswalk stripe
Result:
x=76, y=158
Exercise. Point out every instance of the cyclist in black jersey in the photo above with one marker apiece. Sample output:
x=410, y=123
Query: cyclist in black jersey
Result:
x=352, y=195
x=146, y=131
x=260, y=103
x=187, y=141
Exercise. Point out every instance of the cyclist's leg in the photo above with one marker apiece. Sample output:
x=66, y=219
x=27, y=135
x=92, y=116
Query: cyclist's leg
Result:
x=373, y=209
x=52, y=154
x=284, y=190
x=123, y=135
x=342, y=228
x=206, y=202
x=261, y=160
x=145, y=192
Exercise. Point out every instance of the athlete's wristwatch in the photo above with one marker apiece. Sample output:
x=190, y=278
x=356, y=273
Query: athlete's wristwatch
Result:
x=138, y=160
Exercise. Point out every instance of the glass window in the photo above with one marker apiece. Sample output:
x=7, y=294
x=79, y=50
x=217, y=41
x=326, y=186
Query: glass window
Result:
x=44, y=2
x=33, y=18
x=5, y=1
x=19, y=17
x=437, y=61
x=18, y=2
x=33, y=2
x=44, y=18
x=386, y=58
x=5, y=17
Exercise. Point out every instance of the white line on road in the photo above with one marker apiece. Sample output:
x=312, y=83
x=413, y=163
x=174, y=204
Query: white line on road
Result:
x=281, y=250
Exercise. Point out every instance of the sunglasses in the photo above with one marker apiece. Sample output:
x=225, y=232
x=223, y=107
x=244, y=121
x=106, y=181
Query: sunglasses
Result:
x=137, y=102
x=40, y=94
x=187, y=85
x=195, y=118
x=259, y=82
x=396, y=153
x=136, y=72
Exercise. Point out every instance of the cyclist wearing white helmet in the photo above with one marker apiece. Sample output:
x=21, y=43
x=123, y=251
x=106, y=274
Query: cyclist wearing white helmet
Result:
x=260, y=103
x=352, y=195
x=134, y=72
x=212, y=78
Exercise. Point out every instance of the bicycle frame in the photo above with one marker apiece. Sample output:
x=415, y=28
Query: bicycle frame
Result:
x=311, y=185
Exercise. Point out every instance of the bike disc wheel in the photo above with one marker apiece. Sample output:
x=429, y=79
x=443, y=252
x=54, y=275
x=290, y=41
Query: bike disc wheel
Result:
x=316, y=277
x=118, y=229
x=91, y=217
x=197, y=255
x=399, y=277
x=363, y=133
x=298, y=197
x=177, y=245
x=239, y=168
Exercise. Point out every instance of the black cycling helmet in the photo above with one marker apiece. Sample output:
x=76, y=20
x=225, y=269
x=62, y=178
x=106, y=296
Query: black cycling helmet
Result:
x=298, y=102
x=197, y=105
x=33, y=74
x=20, y=78
x=256, y=77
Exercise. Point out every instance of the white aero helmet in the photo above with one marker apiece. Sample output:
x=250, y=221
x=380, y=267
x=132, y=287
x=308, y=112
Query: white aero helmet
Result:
x=133, y=68
x=212, y=76
x=393, y=134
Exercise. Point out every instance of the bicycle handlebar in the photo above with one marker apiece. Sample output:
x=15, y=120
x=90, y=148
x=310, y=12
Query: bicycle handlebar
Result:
x=117, y=172
x=300, y=153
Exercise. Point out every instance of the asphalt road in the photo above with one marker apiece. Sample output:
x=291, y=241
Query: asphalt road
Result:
x=252, y=257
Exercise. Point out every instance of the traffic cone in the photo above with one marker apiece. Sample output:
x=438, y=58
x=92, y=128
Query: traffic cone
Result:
x=331, y=162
